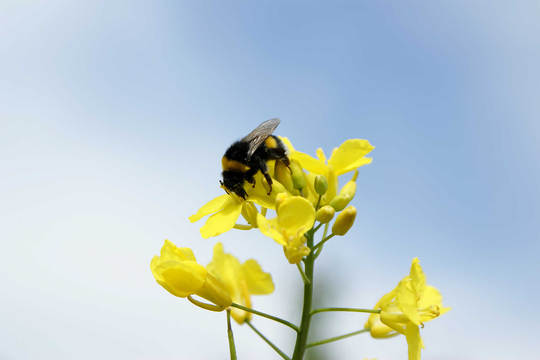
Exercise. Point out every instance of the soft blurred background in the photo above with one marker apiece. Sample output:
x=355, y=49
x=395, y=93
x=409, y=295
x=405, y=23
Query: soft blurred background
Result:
x=114, y=116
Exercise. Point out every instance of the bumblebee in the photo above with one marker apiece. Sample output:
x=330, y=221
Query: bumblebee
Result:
x=246, y=157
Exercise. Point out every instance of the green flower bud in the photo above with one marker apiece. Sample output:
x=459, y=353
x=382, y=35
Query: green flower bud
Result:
x=298, y=176
x=325, y=214
x=344, y=221
x=321, y=184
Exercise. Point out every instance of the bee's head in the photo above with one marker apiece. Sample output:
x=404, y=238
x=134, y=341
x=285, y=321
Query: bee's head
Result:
x=234, y=182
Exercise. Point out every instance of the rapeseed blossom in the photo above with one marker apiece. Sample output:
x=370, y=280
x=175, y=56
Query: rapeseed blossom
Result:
x=177, y=270
x=349, y=156
x=295, y=216
x=226, y=209
x=240, y=280
x=406, y=308
x=223, y=281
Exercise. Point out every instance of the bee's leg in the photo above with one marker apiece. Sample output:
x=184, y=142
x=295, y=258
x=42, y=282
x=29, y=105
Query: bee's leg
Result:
x=249, y=176
x=264, y=170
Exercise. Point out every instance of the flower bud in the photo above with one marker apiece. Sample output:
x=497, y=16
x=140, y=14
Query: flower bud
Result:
x=345, y=195
x=325, y=214
x=344, y=221
x=283, y=174
x=298, y=176
x=321, y=184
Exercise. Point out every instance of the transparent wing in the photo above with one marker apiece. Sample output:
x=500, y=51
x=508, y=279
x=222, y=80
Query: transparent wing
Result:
x=257, y=136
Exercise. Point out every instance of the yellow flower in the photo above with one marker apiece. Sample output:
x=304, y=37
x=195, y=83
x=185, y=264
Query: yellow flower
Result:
x=406, y=308
x=349, y=156
x=223, y=281
x=240, y=280
x=177, y=270
x=295, y=216
x=226, y=209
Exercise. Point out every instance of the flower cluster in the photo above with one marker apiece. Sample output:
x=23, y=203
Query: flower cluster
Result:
x=305, y=196
x=305, y=191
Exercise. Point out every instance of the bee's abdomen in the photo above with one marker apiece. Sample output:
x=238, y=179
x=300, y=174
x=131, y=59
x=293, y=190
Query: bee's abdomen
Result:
x=233, y=165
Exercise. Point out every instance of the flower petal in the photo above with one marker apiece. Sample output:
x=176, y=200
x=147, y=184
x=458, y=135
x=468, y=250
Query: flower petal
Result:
x=179, y=278
x=350, y=155
x=406, y=299
x=225, y=268
x=414, y=341
x=418, y=278
x=210, y=207
x=258, y=281
x=223, y=220
x=169, y=251
x=296, y=213
x=268, y=228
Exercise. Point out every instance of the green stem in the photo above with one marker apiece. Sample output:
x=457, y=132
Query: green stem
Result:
x=317, y=227
x=260, y=313
x=370, y=311
x=318, y=202
x=232, y=348
x=281, y=353
x=318, y=251
x=301, y=338
x=302, y=273
x=336, y=338
x=320, y=243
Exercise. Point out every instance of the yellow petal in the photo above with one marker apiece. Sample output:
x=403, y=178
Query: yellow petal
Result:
x=258, y=281
x=296, y=249
x=169, y=251
x=269, y=228
x=418, y=278
x=179, y=278
x=309, y=163
x=226, y=268
x=350, y=155
x=321, y=155
x=215, y=291
x=210, y=207
x=296, y=213
x=222, y=221
x=259, y=194
x=406, y=298
x=414, y=341
x=377, y=328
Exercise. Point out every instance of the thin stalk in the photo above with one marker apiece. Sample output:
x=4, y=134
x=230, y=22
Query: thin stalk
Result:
x=281, y=353
x=302, y=273
x=318, y=202
x=232, y=348
x=370, y=311
x=320, y=243
x=317, y=227
x=301, y=338
x=318, y=251
x=260, y=313
x=336, y=338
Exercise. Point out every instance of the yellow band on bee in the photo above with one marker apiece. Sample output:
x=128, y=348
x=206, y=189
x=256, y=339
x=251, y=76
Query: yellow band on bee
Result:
x=234, y=165
x=271, y=142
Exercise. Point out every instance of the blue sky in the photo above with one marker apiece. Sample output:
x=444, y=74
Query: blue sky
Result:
x=114, y=116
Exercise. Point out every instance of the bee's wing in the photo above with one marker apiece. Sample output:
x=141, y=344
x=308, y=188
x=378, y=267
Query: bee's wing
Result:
x=257, y=136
